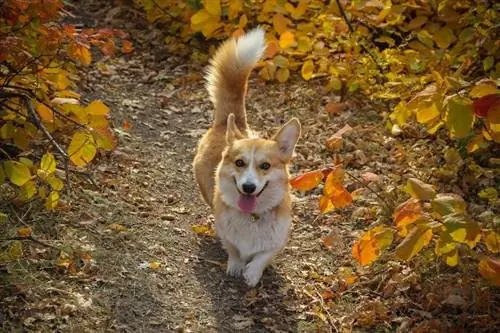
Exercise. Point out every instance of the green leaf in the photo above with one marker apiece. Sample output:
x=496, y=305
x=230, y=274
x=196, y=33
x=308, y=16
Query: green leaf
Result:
x=444, y=37
x=462, y=230
x=488, y=63
x=416, y=240
x=460, y=117
x=446, y=204
x=17, y=172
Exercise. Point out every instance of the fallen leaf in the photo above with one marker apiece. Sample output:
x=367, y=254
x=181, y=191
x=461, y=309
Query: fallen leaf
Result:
x=203, y=230
x=24, y=232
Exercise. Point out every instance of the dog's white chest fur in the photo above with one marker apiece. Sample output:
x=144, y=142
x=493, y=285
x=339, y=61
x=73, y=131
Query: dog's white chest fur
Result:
x=251, y=236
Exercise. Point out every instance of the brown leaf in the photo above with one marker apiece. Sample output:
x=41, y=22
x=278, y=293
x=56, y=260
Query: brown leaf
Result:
x=334, y=108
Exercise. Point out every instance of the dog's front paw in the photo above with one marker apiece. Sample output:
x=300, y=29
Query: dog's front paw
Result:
x=234, y=267
x=253, y=273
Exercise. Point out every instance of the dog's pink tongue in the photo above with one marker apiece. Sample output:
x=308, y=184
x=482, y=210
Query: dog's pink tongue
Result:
x=247, y=203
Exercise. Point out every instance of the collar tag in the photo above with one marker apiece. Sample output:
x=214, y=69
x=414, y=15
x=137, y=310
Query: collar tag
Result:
x=254, y=217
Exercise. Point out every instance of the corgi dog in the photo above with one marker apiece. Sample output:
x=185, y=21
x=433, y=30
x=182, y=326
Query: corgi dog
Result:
x=242, y=177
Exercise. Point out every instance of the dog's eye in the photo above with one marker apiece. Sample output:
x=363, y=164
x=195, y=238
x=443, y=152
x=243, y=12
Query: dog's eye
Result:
x=239, y=163
x=265, y=166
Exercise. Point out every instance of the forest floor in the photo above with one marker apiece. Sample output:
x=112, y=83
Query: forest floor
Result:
x=133, y=262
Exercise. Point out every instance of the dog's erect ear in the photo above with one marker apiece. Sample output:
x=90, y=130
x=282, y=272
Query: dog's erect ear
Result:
x=287, y=137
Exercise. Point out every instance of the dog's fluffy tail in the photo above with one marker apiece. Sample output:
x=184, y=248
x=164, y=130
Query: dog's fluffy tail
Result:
x=228, y=74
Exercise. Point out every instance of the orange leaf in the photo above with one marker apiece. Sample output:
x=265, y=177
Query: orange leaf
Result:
x=127, y=46
x=334, y=108
x=490, y=269
x=287, y=39
x=279, y=23
x=334, y=143
x=407, y=213
x=24, y=232
x=45, y=113
x=272, y=49
x=325, y=204
x=307, y=181
x=369, y=247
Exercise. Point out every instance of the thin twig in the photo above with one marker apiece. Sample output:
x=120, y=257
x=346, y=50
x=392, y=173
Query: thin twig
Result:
x=38, y=123
x=30, y=238
x=381, y=198
x=351, y=29
x=325, y=309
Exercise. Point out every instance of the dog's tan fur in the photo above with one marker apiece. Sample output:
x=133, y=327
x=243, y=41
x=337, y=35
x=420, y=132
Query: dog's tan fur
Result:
x=250, y=244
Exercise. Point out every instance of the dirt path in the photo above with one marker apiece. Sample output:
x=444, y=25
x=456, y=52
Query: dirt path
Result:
x=148, y=202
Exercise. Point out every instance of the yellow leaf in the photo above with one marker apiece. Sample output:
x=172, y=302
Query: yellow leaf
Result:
x=97, y=108
x=490, y=269
x=213, y=7
x=444, y=37
x=459, y=118
x=204, y=230
x=279, y=23
x=451, y=258
x=8, y=130
x=299, y=10
x=48, y=163
x=417, y=239
x=243, y=21
x=483, y=89
x=428, y=113
x=281, y=61
x=463, y=231
x=235, y=7
x=117, y=227
x=45, y=113
x=282, y=74
x=287, y=39
x=104, y=138
x=400, y=114
x=28, y=190
x=370, y=246
x=203, y=21
x=52, y=200
x=304, y=44
x=307, y=70
x=420, y=190
x=24, y=231
x=492, y=241
x=55, y=183
x=82, y=148
x=307, y=181
x=444, y=244
x=417, y=22
x=154, y=265
x=385, y=11
x=17, y=172
x=13, y=252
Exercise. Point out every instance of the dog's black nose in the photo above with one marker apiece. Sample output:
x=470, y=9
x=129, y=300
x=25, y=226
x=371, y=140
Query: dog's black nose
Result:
x=248, y=188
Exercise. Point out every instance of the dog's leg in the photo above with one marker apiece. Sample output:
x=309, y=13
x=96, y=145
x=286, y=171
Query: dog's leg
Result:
x=255, y=268
x=235, y=264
